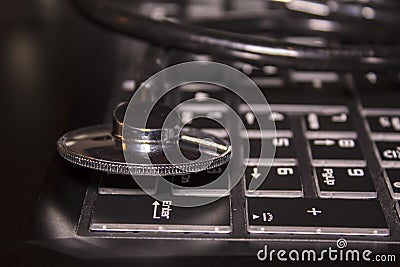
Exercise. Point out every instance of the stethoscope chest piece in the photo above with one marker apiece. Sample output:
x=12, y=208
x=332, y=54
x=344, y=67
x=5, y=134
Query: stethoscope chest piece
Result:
x=158, y=149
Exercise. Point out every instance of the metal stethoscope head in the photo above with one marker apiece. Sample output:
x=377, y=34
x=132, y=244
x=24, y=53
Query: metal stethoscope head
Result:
x=102, y=147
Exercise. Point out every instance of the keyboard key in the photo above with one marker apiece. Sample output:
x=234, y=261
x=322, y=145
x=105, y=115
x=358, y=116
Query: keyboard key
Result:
x=282, y=181
x=392, y=177
x=205, y=183
x=332, y=122
x=316, y=216
x=384, y=123
x=283, y=147
x=398, y=208
x=280, y=119
x=143, y=213
x=325, y=150
x=389, y=153
x=126, y=185
x=344, y=182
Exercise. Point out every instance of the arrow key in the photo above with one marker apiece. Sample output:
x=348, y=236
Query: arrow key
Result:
x=281, y=181
x=333, y=149
x=143, y=213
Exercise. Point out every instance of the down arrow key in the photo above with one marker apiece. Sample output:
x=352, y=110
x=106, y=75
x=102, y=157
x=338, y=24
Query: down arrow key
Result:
x=255, y=174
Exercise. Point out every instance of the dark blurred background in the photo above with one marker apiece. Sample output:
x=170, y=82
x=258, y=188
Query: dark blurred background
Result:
x=56, y=71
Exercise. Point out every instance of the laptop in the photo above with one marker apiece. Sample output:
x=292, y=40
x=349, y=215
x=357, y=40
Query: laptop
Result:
x=332, y=184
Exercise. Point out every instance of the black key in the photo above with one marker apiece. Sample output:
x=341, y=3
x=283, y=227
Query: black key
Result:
x=126, y=185
x=389, y=153
x=335, y=149
x=332, y=122
x=316, y=216
x=280, y=119
x=283, y=147
x=143, y=213
x=205, y=183
x=393, y=180
x=398, y=208
x=344, y=182
x=384, y=123
x=282, y=181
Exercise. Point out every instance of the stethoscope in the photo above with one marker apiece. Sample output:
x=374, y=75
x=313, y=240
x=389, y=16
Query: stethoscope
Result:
x=359, y=23
x=356, y=21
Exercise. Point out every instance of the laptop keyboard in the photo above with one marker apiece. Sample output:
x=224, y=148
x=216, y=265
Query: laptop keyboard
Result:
x=320, y=184
x=345, y=202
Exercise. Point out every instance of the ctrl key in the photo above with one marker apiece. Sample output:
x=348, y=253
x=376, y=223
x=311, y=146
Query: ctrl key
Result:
x=316, y=216
x=123, y=213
